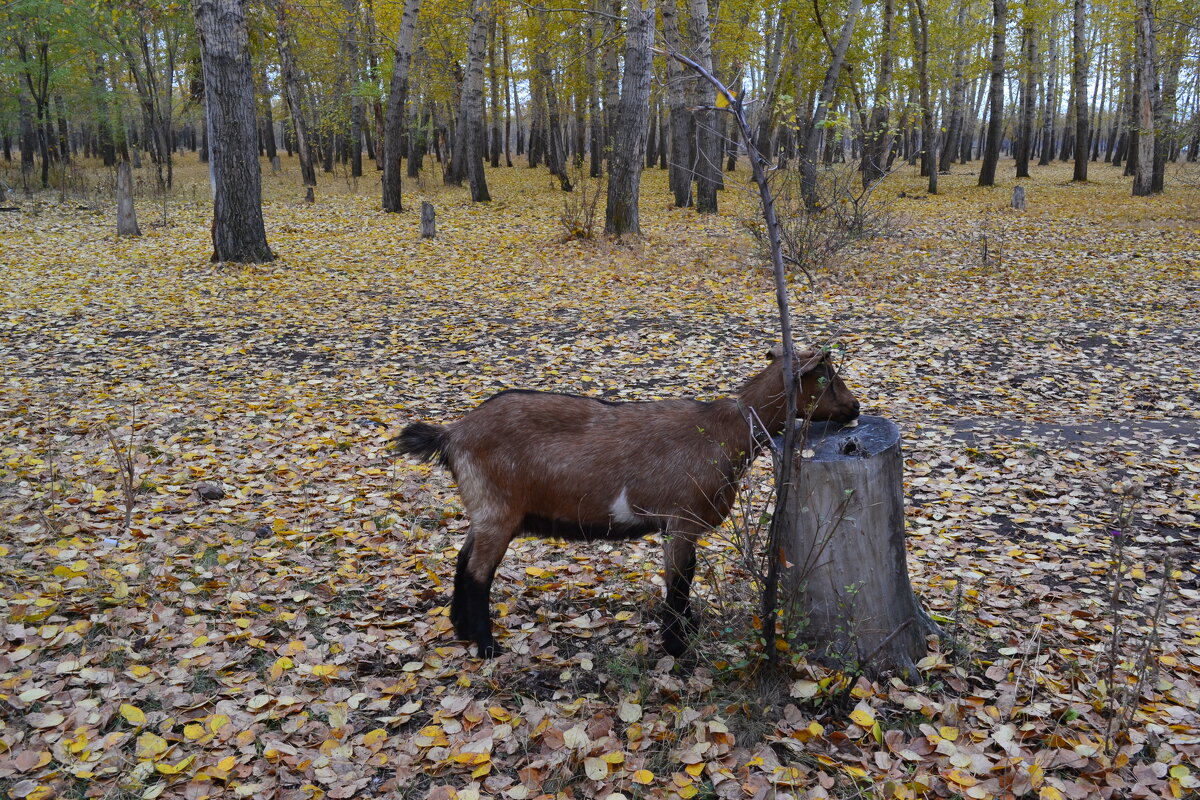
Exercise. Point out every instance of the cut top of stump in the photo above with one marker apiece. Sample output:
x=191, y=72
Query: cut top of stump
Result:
x=832, y=441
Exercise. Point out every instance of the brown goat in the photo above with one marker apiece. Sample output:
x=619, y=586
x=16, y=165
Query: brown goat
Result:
x=570, y=467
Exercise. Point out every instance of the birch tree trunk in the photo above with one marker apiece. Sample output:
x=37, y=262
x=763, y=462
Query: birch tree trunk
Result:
x=708, y=152
x=629, y=143
x=393, y=132
x=1147, y=87
x=237, y=231
x=469, y=141
x=991, y=153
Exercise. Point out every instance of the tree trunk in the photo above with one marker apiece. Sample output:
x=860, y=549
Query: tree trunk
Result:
x=611, y=66
x=679, y=176
x=708, y=144
x=929, y=158
x=358, y=115
x=291, y=92
x=991, y=155
x=1024, y=147
x=1079, y=78
x=596, y=119
x=1050, y=106
x=771, y=78
x=808, y=157
x=126, y=216
x=1147, y=101
x=471, y=130
x=494, y=149
x=629, y=144
x=950, y=146
x=237, y=231
x=393, y=135
x=845, y=543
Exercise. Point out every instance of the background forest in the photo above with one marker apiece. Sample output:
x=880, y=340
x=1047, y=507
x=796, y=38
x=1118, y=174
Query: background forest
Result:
x=217, y=580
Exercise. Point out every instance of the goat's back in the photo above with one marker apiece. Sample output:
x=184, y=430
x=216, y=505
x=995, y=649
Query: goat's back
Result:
x=564, y=456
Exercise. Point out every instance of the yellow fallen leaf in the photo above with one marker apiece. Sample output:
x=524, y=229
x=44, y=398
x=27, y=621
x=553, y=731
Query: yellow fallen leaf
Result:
x=862, y=715
x=133, y=715
x=175, y=769
x=150, y=745
x=643, y=776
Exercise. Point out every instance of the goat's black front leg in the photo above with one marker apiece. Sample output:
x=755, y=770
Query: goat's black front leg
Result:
x=678, y=626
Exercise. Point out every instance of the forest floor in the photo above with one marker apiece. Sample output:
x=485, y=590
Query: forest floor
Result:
x=290, y=639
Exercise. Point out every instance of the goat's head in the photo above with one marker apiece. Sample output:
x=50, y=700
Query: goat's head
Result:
x=820, y=392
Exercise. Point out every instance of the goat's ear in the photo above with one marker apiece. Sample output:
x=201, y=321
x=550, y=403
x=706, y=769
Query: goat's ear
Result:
x=775, y=352
x=809, y=360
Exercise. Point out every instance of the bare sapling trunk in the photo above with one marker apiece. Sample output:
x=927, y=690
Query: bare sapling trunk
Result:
x=238, y=232
x=848, y=577
x=629, y=142
x=784, y=455
x=126, y=217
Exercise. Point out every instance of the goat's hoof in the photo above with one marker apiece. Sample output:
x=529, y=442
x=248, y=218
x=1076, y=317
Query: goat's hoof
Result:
x=675, y=644
x=488, y=649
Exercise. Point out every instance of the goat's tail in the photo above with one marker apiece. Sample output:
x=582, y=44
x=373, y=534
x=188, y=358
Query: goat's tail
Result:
x=426, y=442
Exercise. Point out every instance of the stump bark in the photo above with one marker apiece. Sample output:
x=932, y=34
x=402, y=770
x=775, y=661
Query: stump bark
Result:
x=1018, y=199
x=126, y=218
x=848, y=574
x=428, y=224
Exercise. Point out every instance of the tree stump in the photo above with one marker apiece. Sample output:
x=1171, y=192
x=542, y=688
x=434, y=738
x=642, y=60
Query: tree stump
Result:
x=1018, y=201
x=428, y=224
x=847, y=574
x=126, y=217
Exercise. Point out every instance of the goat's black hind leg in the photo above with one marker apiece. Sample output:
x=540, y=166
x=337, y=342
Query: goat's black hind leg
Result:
x=470, y=609
x=678, y=625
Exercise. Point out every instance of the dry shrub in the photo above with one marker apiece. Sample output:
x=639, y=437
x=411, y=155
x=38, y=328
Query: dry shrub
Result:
x=579, y=205
x=847, y=215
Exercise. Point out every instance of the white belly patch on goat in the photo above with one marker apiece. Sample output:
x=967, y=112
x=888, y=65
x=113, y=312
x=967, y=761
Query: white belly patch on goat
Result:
x=621, y=510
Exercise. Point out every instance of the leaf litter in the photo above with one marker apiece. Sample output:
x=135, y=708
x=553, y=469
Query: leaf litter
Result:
x=273, y=619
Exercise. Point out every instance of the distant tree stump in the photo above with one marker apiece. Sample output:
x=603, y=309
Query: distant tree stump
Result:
x=126, y=216
x=309, y=195
x=276, y=164
x=1018, y=201
x=428, y=224
x=848, y=574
